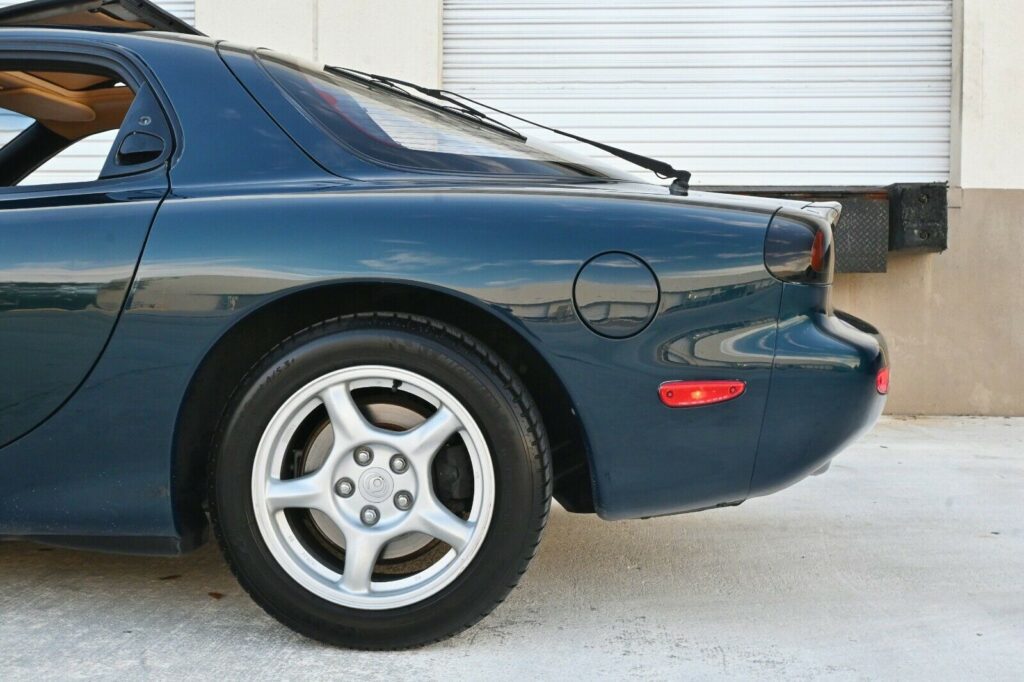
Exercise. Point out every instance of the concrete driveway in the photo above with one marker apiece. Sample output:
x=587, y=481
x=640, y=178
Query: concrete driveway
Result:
x=905, y=561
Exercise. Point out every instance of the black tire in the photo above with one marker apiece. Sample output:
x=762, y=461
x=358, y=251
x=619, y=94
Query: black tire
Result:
x=498, y=402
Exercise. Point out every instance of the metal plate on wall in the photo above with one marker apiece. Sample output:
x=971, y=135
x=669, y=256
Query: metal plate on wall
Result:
x=875, y=220
x=862, y=236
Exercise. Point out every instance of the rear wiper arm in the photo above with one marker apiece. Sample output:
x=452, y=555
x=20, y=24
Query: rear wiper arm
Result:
x=663, y=169
x=454, y=106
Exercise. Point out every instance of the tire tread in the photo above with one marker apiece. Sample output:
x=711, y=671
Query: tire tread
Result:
x=526, y=411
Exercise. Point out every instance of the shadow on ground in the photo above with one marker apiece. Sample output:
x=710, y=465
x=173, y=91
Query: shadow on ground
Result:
x=904, y=561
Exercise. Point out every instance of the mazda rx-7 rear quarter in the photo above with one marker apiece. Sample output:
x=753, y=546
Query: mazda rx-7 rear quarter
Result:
x=366, y=332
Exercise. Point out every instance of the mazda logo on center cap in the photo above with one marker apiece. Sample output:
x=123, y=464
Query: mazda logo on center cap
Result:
x=376, y=485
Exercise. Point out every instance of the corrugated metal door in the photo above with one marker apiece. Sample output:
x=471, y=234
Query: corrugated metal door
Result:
x=742, y=92
x=83, y=161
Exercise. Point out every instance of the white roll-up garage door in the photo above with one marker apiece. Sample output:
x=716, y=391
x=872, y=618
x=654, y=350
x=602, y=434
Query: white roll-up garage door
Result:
x=83, y=161
x=741, y=92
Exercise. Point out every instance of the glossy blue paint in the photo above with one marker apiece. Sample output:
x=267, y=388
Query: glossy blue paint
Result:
x=823, y=393
x=616, y=295
x=252, y=219
x=65, y=265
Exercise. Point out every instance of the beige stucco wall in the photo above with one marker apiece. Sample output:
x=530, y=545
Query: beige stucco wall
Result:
x=992, y=109
x=285, y=26
x=400, y=38
x=955, y=321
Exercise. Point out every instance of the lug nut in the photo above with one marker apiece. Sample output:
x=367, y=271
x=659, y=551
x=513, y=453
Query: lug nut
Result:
x=369, y=516
x=364, y=456
x=399, y=464
x=403, y=500
x=345, y=487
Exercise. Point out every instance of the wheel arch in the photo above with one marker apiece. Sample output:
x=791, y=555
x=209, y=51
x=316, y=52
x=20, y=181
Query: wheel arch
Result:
x=256, y=334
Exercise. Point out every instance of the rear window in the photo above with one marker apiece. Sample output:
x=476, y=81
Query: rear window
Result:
x=390, y=129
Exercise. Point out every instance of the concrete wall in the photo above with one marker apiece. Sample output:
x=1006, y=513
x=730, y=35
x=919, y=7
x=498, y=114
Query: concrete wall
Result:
x=992, y=109
x=955, y=321
x=285, y=26
x=400, y=38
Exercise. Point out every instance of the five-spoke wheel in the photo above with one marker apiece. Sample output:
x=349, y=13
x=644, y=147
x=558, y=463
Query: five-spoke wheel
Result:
x=381, y=481
x=376, y=485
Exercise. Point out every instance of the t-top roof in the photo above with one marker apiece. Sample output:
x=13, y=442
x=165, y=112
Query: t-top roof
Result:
x=116, y=15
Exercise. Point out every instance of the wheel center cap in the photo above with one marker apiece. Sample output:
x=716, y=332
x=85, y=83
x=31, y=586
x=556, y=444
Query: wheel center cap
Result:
x=376, y=485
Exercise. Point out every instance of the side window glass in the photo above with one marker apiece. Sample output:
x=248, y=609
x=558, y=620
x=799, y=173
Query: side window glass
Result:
x=11, y=125
x=75, y=125
x=81, y=162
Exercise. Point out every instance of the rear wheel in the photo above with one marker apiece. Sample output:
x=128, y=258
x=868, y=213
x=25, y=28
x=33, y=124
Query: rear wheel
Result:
x=381, y=481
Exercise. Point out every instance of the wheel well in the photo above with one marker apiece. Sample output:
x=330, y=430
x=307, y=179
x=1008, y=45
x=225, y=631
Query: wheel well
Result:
x=251, y=338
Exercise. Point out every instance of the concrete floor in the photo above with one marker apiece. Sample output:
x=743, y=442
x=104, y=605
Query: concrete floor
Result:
x=905, y=561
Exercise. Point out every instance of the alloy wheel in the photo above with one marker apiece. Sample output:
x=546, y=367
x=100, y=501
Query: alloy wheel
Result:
x=342, y=498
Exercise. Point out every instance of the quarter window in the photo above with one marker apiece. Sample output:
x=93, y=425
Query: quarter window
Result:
x=391, y=129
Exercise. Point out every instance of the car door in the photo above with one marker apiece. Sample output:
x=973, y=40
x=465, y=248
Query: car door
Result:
x=68, y=253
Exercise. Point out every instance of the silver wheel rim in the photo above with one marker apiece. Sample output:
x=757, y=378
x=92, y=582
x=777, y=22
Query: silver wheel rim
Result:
x=376, y=487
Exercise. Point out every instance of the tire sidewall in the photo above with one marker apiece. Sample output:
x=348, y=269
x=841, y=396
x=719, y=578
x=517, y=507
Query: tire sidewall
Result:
x=518, y=502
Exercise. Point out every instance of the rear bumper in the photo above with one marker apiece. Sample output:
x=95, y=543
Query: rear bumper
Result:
x=823, y=393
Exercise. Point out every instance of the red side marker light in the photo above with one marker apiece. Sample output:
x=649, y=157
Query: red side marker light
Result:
x=694, y=393
x=882, y=380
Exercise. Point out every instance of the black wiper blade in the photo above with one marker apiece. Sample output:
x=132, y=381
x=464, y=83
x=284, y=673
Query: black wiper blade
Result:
x=663, y=169
x=454, y=106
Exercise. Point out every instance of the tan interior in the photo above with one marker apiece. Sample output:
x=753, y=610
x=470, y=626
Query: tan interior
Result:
x=71, y=81
x=98, y=19
x=74, y=106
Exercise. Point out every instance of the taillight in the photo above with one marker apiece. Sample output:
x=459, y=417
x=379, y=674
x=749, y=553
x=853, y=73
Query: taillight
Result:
x=798, y=248
x=695, y=393
x=882, y=380
x=818, y=252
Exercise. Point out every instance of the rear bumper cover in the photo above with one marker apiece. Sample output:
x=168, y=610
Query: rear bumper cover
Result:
x=823, y=394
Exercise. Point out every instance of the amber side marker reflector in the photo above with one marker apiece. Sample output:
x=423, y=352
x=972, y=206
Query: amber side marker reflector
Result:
x=694, y=393
x=882, y=380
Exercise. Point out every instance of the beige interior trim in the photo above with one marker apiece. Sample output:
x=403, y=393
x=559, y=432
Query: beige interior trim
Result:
x=46, y=106
x=92, y=19
x=73, y=114
x=72, y=81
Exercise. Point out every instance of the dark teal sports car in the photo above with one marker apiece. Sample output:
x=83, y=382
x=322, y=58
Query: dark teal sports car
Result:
x=365, y=330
